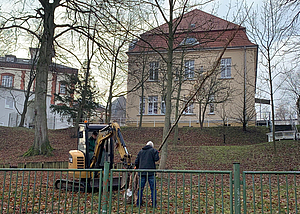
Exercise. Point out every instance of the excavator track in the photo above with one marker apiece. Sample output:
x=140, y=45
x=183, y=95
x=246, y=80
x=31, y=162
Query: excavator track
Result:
x=71, y=185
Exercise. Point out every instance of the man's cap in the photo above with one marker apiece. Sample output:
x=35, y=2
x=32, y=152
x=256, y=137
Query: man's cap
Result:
x=95, y=133
x=150, y=143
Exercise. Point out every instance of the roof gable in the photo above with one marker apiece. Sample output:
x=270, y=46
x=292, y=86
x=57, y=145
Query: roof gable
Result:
x=196, y=20
x=208, y=31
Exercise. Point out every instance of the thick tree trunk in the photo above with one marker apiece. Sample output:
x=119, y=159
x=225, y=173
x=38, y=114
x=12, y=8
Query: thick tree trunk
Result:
x=41, y=141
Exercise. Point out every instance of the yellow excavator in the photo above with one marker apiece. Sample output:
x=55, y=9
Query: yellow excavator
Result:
x=109, y=137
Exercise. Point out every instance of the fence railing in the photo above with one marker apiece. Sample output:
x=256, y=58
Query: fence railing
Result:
x=40, y=165
x=178, y=191
x=271, y=192
x=48, y=191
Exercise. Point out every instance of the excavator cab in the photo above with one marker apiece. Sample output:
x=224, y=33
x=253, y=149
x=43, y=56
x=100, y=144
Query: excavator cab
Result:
x=106, y=147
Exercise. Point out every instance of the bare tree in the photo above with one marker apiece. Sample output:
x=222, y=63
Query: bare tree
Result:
x=47, y=32
x=172, y=38
x=291, y=89
x=28, y=92
x=214, y=92
x=270, y=28
x=282, y=112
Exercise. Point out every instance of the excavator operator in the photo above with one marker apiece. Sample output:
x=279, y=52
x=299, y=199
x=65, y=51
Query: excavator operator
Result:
x=92, y=141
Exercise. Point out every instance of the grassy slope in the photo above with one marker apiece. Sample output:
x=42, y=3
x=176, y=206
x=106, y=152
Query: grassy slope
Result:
x=195, y=149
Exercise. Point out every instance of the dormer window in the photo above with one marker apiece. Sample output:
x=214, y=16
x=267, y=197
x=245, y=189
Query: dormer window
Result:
x=189, y=41
x=132, y=44
x=10, y=58
x=193, y=25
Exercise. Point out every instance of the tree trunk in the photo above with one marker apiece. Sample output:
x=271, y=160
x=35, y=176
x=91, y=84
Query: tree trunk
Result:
x=41, y=142
x=27, y=94
x=167, y=123
x=201, y=121
x=142, y=94
x=272, y=101
x=81, y=107
x=245, y=120
x=180, y=73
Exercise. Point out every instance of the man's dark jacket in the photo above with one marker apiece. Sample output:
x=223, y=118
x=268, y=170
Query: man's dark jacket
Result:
x=146, y=159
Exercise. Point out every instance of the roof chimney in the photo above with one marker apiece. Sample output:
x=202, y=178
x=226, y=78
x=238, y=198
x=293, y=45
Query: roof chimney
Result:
x=34, y=53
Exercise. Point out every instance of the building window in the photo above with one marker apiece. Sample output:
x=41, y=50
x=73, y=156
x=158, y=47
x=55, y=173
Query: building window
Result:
x=153, y=72
x=152, y=105
x=142, y=107
x=7, y=81
x=163, y=106
x=62, y=88
x=189, y=69
x=9, y=102
x=226, y=68
x=211, y=104
x=189, y=109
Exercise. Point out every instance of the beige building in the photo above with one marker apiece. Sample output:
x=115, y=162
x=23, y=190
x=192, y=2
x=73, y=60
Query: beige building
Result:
x=227, y=97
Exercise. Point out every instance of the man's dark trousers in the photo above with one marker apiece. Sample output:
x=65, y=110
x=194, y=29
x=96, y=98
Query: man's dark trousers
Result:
x=152, y=183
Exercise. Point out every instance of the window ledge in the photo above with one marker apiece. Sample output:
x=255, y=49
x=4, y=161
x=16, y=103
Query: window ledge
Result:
x=189, y=114
x=225, y=78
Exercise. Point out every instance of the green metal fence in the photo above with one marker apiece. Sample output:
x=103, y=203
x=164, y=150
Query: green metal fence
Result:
x=178, y=191
x=33, y=191
x=271, y=192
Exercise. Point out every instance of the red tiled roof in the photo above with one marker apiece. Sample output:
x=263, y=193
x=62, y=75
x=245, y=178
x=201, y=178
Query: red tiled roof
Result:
x=210, y=32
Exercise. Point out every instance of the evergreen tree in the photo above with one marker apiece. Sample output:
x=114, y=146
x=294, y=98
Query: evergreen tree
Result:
x=68, y=104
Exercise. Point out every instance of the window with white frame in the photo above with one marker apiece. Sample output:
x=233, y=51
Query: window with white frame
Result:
x=153, y=71
x=152, y=105
x=211, y=104
x=142, y=105
x=7, y=81
x=62, y=88
x=226, y=68
x=163, y=106
x=9, y=102
x=189, y=69
x=189, y=109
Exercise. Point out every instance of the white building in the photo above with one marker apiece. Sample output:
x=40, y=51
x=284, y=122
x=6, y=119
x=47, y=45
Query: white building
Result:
x=15, y=75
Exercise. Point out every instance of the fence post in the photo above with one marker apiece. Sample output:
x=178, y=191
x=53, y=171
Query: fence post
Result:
x=237, y=186
x=105, y=187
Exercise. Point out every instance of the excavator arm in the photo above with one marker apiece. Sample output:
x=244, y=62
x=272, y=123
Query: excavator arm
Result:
x=113, y=131
x=121, y=146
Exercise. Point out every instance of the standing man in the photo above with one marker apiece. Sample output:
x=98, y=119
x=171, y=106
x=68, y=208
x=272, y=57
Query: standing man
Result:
x=146, y=159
